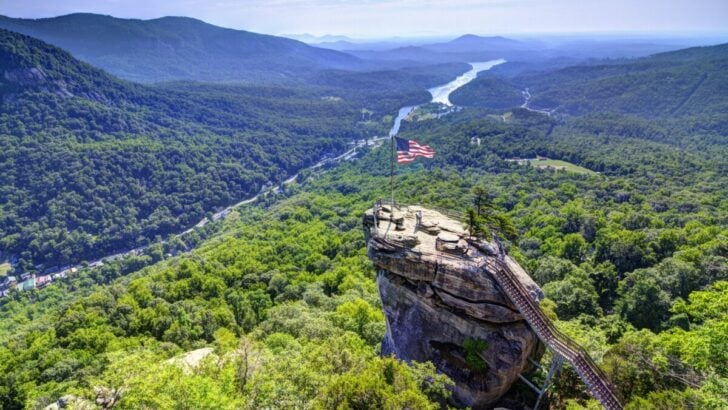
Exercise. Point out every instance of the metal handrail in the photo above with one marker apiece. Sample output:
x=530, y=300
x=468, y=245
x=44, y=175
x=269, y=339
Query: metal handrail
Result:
x=596, y=380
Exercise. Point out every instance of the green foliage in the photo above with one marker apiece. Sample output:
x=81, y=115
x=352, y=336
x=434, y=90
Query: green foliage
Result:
x=384, y=384
x=485, y=220
x=95, y=165
x=682, y=365
x=574, y=247
x=705, y=305
x=645, y=304
x=362, y=318
x=474, y=351
x=261, y=277
x=633, y=261
x=668, y=399
x=574, y=296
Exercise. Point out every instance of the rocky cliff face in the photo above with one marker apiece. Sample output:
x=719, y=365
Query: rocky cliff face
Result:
x=441, y=306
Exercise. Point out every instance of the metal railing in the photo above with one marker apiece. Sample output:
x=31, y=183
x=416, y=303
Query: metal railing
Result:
x=595, y=379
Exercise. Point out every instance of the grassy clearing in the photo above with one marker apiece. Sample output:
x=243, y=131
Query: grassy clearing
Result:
x=427, y=112
x=545, y=163
x=562, y=165
x=4, y=268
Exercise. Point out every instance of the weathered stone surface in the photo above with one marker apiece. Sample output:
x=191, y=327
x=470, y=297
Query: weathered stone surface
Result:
x=191, y=360
x=25, y=76
x=419, y=329
x=435, y=299
x=71, y=402
x=486, y=311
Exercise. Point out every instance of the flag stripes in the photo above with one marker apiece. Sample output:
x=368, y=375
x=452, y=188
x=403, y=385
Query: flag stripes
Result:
x=409, y=150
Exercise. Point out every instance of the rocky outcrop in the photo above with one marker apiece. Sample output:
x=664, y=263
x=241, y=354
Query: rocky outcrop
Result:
x=191, y=360
x=439, y=297
x=35, y=78
x=71, y=402
x=25, y=76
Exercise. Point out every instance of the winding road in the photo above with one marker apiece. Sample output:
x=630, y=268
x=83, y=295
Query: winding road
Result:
x=440, y=94
x=527, y=97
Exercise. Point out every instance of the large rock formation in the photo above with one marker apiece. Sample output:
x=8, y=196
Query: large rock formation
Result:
x=438, y=298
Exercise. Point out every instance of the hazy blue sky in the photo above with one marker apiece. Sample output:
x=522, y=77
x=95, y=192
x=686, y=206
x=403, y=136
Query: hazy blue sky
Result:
x=383, y=18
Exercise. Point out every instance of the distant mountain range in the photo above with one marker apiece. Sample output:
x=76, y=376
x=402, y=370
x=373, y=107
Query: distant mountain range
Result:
x=472, y=48
x=467, y=48
x=672, y=84
x=471, y=43
x=344, y=43
x=180, y=48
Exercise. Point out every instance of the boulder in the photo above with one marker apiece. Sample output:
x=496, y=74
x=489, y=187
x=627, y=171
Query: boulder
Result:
x=422, y=327
x=441, y=301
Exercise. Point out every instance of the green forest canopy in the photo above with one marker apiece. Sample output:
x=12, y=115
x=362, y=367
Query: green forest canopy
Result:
x=634, y=268
x=93, y=165
x=633, y=260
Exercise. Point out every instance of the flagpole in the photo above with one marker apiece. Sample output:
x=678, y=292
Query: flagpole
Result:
x=391, y=170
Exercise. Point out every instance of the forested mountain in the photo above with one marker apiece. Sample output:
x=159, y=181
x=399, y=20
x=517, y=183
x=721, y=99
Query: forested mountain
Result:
x=536, y=52
x=685, y=82
x=681, y=83
x=633, y=264
x=279, y=302
x=179, y=48
x=470, y=43
x=92, y=164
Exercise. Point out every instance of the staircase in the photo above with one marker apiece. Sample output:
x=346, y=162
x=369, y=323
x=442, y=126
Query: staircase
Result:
x=596, y=381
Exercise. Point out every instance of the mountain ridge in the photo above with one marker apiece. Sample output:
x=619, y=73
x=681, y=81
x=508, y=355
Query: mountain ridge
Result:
x=93, y=164
x=667, y=84
x=179, y=48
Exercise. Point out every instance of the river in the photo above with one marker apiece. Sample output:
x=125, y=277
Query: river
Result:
x=441, y=93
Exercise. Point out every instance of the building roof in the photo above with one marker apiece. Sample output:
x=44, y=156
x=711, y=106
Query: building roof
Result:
x=27, y=284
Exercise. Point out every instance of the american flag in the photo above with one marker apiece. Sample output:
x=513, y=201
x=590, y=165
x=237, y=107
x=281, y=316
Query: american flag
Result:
x=409, y=150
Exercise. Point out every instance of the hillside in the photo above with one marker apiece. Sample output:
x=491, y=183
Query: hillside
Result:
x=685, y=82
x=287, y=302
x=681, y=83
x=179, y=48
x=93, y=164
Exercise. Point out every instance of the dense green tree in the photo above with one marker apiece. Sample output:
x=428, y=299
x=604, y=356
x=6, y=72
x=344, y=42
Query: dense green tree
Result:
x=381, y=384
x=574, y=295
x=644, y=303
x=574, y=247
